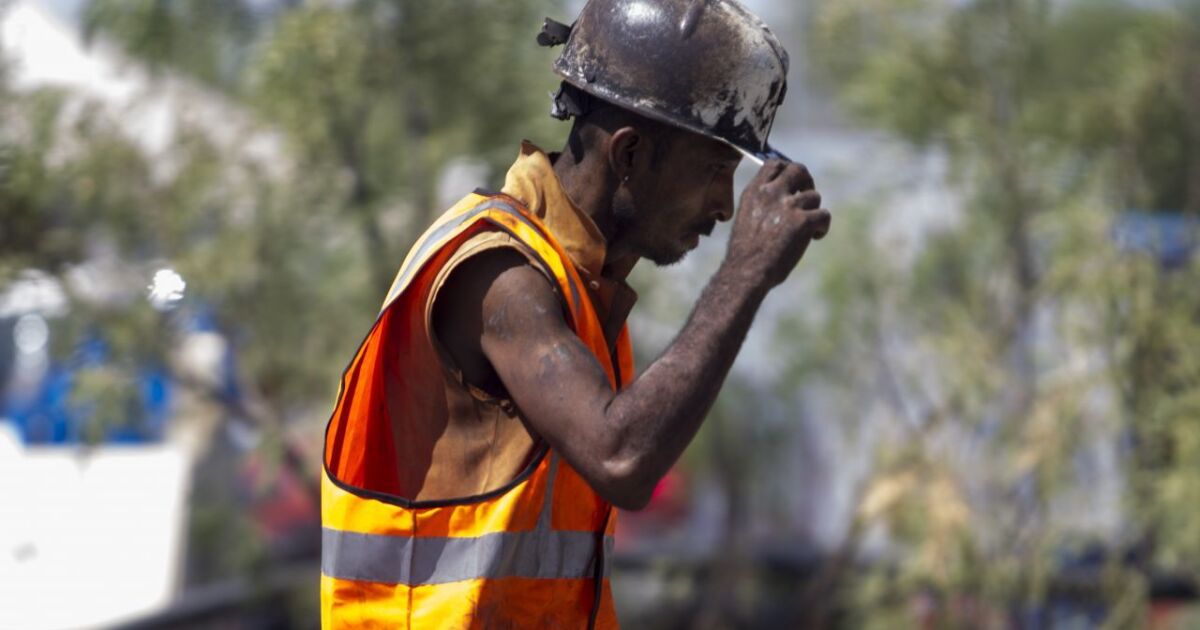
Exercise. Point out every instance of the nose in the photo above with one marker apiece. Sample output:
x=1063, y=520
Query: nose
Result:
x=724, y=211
x=722, y=201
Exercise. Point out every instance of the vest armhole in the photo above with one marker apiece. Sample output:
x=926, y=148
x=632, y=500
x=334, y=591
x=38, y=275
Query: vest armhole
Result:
x=485, y=242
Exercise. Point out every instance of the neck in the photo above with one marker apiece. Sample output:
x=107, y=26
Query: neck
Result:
x=590, y=186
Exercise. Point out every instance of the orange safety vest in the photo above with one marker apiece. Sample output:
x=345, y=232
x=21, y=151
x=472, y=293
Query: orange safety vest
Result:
x=532, y=554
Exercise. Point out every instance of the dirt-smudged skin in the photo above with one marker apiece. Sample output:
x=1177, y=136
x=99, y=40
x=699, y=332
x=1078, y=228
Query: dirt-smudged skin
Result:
x=623, y=443
x=507, y=373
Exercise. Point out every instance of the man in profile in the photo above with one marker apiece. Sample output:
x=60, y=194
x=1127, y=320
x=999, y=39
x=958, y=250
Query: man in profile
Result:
x=492, y=419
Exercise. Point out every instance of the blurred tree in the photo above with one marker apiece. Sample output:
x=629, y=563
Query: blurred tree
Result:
x=377, y=95
x=210, y=41
x=1021, y=337
x=308, y=142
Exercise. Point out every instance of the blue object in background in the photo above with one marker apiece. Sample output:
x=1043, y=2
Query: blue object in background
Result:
x=1172, y=237
x=43, y=413
x=43, y=418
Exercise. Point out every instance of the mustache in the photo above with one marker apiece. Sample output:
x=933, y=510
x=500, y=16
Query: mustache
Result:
x=707, y=228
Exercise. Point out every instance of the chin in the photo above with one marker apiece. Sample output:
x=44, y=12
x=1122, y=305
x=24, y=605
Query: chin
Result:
x=666, y=259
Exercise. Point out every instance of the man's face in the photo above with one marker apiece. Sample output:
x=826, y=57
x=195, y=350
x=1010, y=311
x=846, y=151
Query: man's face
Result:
x=678, y=198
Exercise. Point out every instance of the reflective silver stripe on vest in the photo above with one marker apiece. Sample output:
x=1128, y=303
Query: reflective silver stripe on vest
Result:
x=426, y=560
x=439, y=235
x=541, y=553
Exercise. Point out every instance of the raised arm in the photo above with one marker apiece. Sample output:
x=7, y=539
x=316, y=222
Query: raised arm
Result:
x=623, y=443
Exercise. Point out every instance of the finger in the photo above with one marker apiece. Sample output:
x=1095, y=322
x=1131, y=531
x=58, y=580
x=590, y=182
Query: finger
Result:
x=808, y=200
x=798, y=178
x=772, y=170
x=817, y=222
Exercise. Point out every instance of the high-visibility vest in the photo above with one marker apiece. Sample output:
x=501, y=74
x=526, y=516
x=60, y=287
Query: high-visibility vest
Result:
x=532, y=554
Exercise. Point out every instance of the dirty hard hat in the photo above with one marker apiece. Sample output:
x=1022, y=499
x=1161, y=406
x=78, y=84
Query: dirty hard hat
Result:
x=708, y=66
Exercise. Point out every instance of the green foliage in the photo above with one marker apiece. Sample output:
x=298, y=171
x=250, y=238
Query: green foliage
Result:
x=1085, y=76
x=208, y=40
x=44, y=204
x=372, y=97
x=342, y=116
x=994, y=350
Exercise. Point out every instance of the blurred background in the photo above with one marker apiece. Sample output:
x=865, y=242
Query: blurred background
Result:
x=975, y=405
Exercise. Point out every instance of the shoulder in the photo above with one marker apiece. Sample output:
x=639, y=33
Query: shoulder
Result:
x=491, y=278
x=493, y=264
x=497, y=291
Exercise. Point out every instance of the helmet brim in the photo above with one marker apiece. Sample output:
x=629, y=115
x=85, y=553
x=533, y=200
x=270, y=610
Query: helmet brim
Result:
x=758, y=157
x=762, y=157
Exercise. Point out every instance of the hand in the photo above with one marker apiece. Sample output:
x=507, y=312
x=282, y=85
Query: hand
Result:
x=780, y=213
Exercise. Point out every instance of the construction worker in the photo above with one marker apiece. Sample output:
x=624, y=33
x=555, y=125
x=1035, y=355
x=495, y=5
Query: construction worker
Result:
x=492, y=418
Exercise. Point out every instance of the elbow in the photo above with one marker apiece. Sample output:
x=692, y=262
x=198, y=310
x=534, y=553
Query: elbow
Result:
x=627, y=483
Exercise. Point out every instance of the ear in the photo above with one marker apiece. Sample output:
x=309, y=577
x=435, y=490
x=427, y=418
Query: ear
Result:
x=628, y=152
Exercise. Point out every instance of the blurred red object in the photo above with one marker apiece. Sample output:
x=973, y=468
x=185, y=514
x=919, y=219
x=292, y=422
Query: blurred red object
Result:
x=668, y=510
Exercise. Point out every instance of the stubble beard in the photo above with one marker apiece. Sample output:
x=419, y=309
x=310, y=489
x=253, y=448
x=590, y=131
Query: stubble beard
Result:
x=630, y=225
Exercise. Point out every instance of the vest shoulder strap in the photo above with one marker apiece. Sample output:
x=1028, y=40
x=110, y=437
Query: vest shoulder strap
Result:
x=504, y=213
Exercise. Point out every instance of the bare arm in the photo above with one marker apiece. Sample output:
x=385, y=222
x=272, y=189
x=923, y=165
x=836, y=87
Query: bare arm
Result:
x=623, y=443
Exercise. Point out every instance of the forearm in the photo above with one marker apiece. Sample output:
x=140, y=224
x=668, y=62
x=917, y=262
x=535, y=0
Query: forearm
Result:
x=623, y=443
x=651, y=422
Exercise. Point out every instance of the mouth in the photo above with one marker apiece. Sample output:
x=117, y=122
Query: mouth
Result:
x=693, y=236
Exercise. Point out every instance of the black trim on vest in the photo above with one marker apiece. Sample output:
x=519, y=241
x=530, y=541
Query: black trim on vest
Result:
x=598, y=572
x=400, y=501
x=496, y=201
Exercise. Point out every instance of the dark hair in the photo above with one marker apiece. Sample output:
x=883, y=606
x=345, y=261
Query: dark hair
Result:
x=592, y=114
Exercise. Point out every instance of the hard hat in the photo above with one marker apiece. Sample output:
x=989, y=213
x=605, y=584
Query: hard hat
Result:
x=709, y=66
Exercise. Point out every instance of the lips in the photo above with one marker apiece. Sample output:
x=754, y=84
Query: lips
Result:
x=692, y=237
